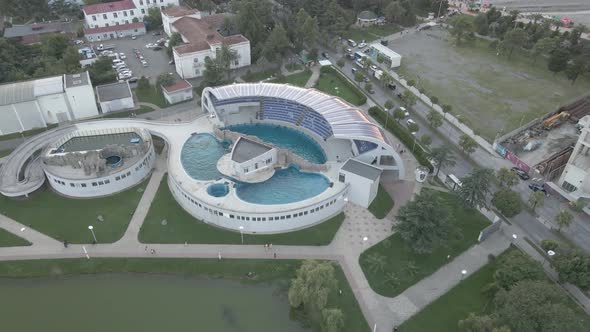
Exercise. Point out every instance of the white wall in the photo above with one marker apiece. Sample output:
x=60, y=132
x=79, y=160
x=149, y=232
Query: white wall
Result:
x=92, y=187
x=52, y=105
x=362, y=190
x=177, y=97
x=117, y=105
x=260, y=161
x=82, y=101
x=29, y=115
x=113, y=18
x=9, y=122
x=187, y=68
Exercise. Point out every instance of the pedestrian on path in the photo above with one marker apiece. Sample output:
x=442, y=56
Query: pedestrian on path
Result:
x=270, y=246
x=275, y=255
x=219, y=256
x=265, y=247
x=145, y=249
x=153, y=251
x=66, y=243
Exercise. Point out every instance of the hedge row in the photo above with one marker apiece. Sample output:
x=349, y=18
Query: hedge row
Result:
x=353, y=87
x=405, y=136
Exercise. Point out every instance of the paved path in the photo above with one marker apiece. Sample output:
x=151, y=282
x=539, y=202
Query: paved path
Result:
x=315, y=76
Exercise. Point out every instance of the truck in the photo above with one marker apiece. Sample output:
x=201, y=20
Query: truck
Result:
x=378, y=73
x=102, y=47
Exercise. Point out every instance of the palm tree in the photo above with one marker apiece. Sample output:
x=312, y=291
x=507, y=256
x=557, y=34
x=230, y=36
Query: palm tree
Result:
x=476, y=186
x=376, y=262
x=411, y=268
x=442, y=157
x=563, y=219
x=391, y=279
x=537, y=198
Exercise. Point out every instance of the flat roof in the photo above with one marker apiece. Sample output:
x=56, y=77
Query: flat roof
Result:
x=73, y=80
x=38, y=28
x=246, y=149
x=178, y=86
x=385, y=50
x=113, y=91
x=361, y=169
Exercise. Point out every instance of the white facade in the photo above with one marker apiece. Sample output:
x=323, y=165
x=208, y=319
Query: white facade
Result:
x=191, y=65
x=115, y=97
x=121, y=12
x=117, y=105
x=392, y=58
x=575, y=179
x=363, y=189
x=172, y=14
x=178, y=92
x=258, y=163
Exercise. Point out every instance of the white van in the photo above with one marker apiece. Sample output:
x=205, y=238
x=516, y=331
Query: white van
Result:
x=352, y=43
x=117, y=62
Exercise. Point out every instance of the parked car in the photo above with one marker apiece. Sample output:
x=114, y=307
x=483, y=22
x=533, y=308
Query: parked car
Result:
x=411, y=122
x=373, y=67
x=150, y=45
x=78, y=41
x=132, y=80
x=157, y=48
x=367, y=79
x=325, y=55
x=134, y=37
x=351, y=43
x=156, y=33
x=354, y=70
x=122, y=56
x=538, y=187
x=392, y=86
x=521, y=174
x=406, y=113
x=362, y=45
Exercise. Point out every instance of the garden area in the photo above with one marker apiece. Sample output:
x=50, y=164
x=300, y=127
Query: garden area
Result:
x=152, y=95
x=371, y=33
x=8, y=239
x=382, y=204
x=392, y=266
x=334, y=83
x=298, y=79
x=181, y=227
x=510, y=286
x=68, y=219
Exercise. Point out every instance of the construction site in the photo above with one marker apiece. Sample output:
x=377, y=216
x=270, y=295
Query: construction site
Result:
x=543, y=146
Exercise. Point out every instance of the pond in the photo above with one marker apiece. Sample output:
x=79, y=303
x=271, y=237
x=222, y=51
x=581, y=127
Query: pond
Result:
x=141, y=302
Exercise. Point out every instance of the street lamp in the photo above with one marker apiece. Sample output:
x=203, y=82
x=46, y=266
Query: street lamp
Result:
x=242, y=234
x=463, y=274
x=92, y=231
x=514, y=237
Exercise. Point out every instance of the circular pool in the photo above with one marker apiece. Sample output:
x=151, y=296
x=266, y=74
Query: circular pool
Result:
x=218, y=190
x=114, y=161
x=199, y=157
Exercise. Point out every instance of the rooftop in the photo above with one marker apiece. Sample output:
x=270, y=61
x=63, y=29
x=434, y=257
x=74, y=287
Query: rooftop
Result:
x=385, y=50
x=130, y=26
x=246, y=149
x=178, y=11
x=178, y=86
x=202, y=33
x=108, y=7
x=367, y=15
x=38, y=28
x=113, y=91
x=361, y=169
x=74, y=80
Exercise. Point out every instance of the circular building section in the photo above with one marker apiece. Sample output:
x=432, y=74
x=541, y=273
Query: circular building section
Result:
x=98, y=162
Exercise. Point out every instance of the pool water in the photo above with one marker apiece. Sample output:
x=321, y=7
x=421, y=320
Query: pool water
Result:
x=218, y=189
x=287, y=185
x=284, y=138
x=199, y=157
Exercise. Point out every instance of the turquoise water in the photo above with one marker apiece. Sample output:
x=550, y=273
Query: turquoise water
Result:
x=138, y=302
x=284, y=138
x=199, y=157
x=287, y=185
x=218, y=189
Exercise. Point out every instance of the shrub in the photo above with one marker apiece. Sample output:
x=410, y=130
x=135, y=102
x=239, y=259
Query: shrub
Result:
x=434, y=99
x=400, y=132
x=549, y=244
x=507, y=201
x=411, y=82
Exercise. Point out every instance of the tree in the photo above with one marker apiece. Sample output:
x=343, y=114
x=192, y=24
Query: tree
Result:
x=481, y=24
x=475, y=187
x=389, y=104
x=507, y=201
x=409, y=98
x=434, y=99
x=558, y=60
x=175, y=40
x=577, y=66
x=424, y=223
x=313, y=283
x=376, y=262
x=311, y=32
x=386, y=78
x=341, y=62
x=426, y=140
x=102, y=72
x=446, y=109
x=164, y=79
x=54, y=45
x=506, y=178
x=434, y=118
x=461, y=25
x=475, y=323
x=514, y=267
x=544, y=46
x=153, y=19
x=276, y=45
x=514, y=38
x=143, y=83
x=225, y=58
x=332, y=320
x=573, y=266
x=536, y=198
x=359, y=77
x=71, y=60
x=398, y=114
x=532, y=306
x=563, y=219
x=213, y=73
x=467, y=144
x=413, y=127
x=442, y=157
x=380, y=58
x=368, y=86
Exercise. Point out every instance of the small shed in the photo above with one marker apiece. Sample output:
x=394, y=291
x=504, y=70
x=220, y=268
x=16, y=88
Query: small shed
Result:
x=363, y=180
x=366, y=18
x=115, y=97
x=392, y=58
x=178, y=92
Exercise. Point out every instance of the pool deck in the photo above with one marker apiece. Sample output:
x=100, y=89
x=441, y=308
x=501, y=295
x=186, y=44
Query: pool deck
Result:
x=224, y=166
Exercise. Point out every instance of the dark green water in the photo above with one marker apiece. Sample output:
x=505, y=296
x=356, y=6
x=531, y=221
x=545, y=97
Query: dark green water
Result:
x=130, y=302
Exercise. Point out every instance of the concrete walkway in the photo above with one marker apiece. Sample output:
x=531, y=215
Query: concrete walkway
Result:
x=315, y=76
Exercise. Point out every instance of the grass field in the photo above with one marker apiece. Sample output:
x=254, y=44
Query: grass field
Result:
x=27, y=133
x=68, y=219
x=259, y=76
x=4, y=153
x=181, y=227
x=404, y=268
x=492, y=94
x=151, y=95
x=382, y=204
x=8, y=239
x=333, y=83
x=371, y=33
x=279, y=272
x=298, y=79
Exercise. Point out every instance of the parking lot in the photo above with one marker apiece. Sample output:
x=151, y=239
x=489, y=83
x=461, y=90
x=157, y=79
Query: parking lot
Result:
x=158, y=61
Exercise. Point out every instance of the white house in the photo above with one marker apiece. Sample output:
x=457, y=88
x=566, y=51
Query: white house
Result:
x=363, y=179
x=172, y=14
x=115, y=97
x=575, y=179
x=178, y=92
x=392, y=58
x=37, y=103
x=201, y=40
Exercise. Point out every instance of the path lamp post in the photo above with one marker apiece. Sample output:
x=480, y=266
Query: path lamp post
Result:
x=514, y=237
x=93, y=235
x=550, y=253
x=463, y=274
x=365, y=239
x=242, y=234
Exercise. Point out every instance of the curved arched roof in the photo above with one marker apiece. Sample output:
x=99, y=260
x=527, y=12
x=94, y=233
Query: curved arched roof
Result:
x=345, y=120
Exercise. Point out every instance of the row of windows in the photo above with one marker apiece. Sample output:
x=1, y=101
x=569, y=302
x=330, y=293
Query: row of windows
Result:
x=106, y=181
x=245, y=218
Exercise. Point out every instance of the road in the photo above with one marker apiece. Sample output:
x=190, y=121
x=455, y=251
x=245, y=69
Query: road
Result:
x=448, y=135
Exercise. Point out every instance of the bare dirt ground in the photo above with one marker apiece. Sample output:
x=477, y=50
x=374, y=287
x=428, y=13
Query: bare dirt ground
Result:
x=577, y=10
x=492, y=93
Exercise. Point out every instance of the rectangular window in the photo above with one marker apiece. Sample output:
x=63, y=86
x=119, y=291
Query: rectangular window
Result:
x=304, y=213
x=117, y=178
x=263, y=218
x=141, y=2
x=104, y=16
x=123, y=176
x=72, y=185
x=125, y=13
x=131, y=12
x=282, y=217
x=115, y=15
x=83, y=185
x=100, y=183
x=232, y=216
x=288, y=216
x=128, y=173
x=94, y=17
x=94, y=184
x=247, y=218
x=237, y=62
x=143, y=11
x=341, y=178
x=107, y=181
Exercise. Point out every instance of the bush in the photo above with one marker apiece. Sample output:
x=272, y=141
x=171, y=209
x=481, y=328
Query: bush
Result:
x=357, y=91
x=549, y=244
x=434, y=99
x=403, y=135
x=507, y=201
x=411, y=82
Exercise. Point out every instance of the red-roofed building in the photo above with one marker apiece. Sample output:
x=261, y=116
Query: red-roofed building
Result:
x=201, y=39
x=178, y=92
x=114, y=31
x=124, y=12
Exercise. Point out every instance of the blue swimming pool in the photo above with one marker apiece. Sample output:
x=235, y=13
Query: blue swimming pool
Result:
x=287, y=185
x=199, y=156
x=284, y=138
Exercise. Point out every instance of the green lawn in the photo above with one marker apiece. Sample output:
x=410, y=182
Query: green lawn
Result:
x=8, y=239
x=445, y=313
x=371, y=33
x=4, y=153
x=334, y=83
x=279, y=272
x=298, y=79
x=399, y=257
x=68, y=219
x=151, y=95
x=27, y=133
x=382, y=204
x=259, y=76
x=126, y=114
x=181, y=227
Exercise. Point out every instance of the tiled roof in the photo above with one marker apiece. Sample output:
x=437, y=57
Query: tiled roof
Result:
x=178, y=11
x=121, y=27
x=108, y=7
x=192, y=48
x=202, y=33
x=181, y=85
